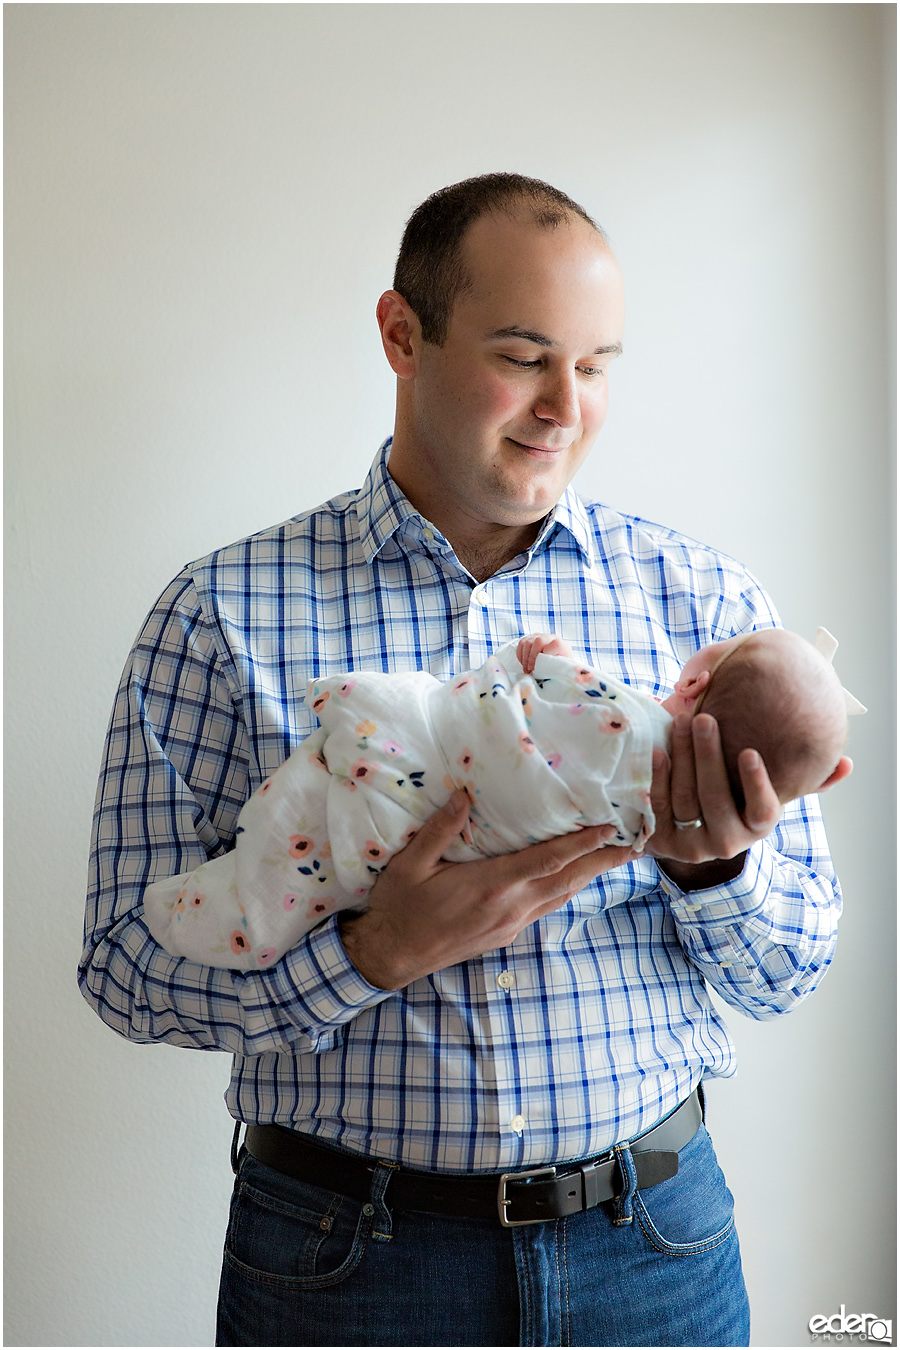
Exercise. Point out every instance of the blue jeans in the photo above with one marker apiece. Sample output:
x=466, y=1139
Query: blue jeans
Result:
x=659, y=1267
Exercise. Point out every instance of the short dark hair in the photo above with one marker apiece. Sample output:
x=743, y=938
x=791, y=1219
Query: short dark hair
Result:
x=430, y=273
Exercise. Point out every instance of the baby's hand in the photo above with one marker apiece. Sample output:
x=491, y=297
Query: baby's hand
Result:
x=530, y=648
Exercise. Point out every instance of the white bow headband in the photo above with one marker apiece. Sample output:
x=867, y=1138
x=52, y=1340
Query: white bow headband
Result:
x=827, y=645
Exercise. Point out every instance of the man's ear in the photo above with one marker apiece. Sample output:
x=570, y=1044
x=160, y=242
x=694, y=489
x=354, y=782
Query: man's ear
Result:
x=843, y=770
x=399, y=326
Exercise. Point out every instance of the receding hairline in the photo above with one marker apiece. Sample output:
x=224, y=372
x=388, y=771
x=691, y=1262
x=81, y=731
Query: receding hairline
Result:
x=432, y=271
x=466, y=281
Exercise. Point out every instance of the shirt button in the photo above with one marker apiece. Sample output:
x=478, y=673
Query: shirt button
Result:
x=429, y=535
x=479, y=595
x=517, y=1124
x=506, y=980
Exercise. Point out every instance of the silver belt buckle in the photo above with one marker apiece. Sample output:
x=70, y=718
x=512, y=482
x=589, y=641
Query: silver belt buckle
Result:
x=502, y=1200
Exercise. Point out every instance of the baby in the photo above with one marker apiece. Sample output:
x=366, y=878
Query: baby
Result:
x=777, y=695
x=541, y=744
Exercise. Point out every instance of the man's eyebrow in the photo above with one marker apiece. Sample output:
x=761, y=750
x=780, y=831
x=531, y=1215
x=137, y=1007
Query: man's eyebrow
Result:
x=541, y=340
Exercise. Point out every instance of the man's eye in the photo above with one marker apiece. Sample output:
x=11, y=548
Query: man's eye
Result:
x=591, y=370
x=522, y=365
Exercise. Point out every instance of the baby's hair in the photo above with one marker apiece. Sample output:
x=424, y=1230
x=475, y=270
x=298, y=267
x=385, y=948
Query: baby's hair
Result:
x=776, y=694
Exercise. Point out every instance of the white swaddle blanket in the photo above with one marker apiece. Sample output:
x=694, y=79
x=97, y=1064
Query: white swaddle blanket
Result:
x=538, y=755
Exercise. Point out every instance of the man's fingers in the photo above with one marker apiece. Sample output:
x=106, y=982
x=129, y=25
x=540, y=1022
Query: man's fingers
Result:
x=553, y=855
x=551, y=891
x=714, y=800
x=682, y=773
x=432, y=839
x=659, y=788
x=762, y=809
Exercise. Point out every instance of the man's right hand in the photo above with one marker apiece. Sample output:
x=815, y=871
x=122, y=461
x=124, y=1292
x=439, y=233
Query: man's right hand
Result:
x=426, y=914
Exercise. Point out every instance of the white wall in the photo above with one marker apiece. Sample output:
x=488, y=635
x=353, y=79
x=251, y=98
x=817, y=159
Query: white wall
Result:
x=203, y=204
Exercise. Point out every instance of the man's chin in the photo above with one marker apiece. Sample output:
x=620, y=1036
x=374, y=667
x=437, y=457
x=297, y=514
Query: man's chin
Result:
x=518, y=515
x=530, y=500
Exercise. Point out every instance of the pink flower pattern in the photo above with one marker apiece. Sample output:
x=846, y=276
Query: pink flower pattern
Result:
x=362, y=771
x=611, y=721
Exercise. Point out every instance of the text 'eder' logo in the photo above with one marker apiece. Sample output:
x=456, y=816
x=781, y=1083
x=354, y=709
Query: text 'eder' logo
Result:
x=844, y=1326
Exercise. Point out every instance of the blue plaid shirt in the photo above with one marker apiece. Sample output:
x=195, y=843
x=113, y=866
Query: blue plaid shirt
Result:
x=602, y=1021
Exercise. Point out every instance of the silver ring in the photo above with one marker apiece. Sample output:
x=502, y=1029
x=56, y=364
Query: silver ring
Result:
x=696, y=824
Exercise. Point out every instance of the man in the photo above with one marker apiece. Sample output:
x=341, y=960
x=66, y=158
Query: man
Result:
x=472, y=1110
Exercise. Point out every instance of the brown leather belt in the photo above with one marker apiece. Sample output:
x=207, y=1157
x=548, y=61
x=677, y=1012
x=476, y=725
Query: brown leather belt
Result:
x=531, y=1196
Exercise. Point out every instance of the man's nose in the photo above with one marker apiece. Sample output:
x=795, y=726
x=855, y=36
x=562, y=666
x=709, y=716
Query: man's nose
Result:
x=557, y=400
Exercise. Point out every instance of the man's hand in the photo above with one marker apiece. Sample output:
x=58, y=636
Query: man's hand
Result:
x=427, y=914
x=695, y=786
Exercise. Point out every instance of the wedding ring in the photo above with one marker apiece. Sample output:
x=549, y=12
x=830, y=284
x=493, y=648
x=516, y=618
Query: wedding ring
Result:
x=696, y=824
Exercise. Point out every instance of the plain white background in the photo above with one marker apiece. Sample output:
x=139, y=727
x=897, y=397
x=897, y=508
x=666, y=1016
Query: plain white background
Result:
x=203, y=204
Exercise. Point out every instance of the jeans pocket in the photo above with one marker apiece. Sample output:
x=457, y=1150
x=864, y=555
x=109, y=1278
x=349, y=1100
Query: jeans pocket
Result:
x=292, y=1234
x=693, y=1211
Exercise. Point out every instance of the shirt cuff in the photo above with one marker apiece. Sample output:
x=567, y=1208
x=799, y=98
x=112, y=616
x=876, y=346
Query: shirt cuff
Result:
x=731, y=901
x=324, y=981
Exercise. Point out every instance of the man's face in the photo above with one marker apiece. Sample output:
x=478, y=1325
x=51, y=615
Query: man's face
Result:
x=500, y=417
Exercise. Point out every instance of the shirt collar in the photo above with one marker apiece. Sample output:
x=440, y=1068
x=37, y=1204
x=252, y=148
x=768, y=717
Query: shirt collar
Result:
x=569, y=514
x=382, y=509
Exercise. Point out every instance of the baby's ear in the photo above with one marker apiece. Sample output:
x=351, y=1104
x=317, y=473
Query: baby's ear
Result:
x=693, y=687
x=843, y=770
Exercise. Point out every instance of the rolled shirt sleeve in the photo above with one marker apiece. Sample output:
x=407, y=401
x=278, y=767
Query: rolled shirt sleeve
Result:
x=765, y=939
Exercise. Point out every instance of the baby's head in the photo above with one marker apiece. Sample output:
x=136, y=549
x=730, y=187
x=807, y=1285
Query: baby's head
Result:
x=772, y=692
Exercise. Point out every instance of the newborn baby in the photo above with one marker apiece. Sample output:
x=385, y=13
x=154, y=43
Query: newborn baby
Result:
x=542, y=746
x=778, y=695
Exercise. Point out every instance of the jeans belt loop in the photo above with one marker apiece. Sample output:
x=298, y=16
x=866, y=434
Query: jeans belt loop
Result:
x=590, y=1175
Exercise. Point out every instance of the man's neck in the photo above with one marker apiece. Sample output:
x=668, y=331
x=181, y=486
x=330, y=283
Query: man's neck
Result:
x=480, y=545
x=485, y=556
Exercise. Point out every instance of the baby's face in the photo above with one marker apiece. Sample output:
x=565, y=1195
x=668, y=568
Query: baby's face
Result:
x=695, y=674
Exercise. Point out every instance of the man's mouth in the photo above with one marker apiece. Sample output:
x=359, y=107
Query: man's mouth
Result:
x=540, y=449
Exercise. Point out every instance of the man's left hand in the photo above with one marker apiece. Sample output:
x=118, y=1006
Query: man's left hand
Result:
x=694, y=785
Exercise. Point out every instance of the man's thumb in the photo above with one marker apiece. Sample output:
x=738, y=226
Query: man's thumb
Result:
x=441, y=829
